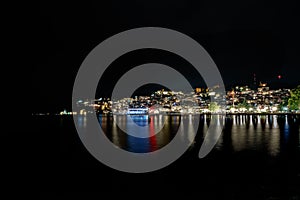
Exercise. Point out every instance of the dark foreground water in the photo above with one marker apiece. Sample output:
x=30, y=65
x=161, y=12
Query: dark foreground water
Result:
x=256, y=157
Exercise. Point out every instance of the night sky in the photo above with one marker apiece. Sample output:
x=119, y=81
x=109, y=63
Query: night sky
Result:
x=242, y=37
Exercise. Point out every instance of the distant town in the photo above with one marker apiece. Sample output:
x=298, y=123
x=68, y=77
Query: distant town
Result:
x=241, y=99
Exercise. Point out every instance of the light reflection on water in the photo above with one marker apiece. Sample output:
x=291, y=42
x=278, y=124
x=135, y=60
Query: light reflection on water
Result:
x=255, y=133
x=267, y=133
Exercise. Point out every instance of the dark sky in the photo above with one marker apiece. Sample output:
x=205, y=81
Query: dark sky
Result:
x=242, y=37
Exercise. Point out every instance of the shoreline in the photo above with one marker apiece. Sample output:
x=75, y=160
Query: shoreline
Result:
x=169, y=114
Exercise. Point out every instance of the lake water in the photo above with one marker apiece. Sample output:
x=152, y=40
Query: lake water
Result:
x=271, y=134
x=256, y=157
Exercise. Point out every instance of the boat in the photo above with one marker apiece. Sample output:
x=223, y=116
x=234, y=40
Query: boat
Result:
x=137, y=111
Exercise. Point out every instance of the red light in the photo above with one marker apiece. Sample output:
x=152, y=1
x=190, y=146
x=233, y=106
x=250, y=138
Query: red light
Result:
x=279, y=76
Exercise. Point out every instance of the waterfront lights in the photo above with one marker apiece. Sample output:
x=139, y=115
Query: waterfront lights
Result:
x=232, y=110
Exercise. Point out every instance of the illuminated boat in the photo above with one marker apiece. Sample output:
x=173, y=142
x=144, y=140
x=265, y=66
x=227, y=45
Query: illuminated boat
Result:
x=138, y=111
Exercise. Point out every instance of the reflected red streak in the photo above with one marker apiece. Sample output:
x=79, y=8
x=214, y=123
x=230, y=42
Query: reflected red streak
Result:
x=152, y=138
